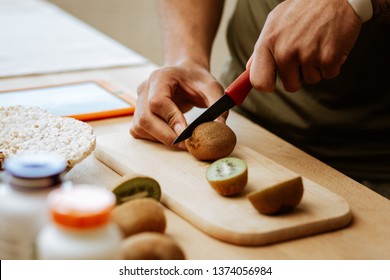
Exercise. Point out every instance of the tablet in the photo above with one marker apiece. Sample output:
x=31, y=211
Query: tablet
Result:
x=85, y=101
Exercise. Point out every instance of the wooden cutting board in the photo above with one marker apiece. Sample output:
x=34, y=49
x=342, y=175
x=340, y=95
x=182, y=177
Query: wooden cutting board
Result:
x=230, y=219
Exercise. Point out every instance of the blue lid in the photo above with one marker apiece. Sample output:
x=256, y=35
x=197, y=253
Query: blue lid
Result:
x=34, y=166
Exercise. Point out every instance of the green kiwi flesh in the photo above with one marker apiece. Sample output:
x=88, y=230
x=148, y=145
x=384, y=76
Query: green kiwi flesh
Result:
x=138, y=187
x=228, y=176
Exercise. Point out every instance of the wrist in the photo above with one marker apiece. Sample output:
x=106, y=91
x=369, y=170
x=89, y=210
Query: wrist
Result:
x=187, y=60
x=363, y=8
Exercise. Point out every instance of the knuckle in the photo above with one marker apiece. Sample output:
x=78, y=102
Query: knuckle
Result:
x=286, y=56
x=307, y=58
x=162, y=72
x=283, y=57
x=141, y=123
x=262, y=85
x=159, y=107
x=159, y=75
x=156, y=73
x=141, y=88
x=170, y=117
x=329, y=60
x=155, y=103
x=330, y=65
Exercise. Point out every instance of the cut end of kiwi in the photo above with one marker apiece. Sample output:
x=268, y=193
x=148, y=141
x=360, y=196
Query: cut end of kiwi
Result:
x=228, y=176
x=137, y=187
x=279, y=198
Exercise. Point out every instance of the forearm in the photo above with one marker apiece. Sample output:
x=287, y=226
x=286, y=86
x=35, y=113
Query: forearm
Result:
x=189, y=28
x=381, y=10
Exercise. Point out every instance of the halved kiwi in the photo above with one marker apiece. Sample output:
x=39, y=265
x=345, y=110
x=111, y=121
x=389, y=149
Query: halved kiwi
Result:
x=131, y=187
x=228, y=176
x=278, y=198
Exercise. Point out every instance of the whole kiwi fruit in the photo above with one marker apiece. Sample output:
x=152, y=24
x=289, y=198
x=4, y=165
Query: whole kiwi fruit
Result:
x=211, y=141
x=150, y=246
x=139, y=215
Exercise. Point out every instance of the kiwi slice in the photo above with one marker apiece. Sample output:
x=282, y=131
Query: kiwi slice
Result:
x=228, y=176
x=278, y=198
x=136, y=187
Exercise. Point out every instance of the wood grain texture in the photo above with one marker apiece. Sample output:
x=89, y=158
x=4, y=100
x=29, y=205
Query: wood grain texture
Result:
x=230, y=219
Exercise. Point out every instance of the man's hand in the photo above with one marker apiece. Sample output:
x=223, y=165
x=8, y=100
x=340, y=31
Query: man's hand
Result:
x=166, y=95
x=303, y=41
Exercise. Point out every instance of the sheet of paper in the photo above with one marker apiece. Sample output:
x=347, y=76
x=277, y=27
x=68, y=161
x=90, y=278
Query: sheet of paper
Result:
x=38, y=37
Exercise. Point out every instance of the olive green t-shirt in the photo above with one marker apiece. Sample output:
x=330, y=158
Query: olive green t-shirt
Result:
x=344, y=121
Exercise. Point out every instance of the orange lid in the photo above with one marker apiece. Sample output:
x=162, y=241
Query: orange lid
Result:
x=81, y=206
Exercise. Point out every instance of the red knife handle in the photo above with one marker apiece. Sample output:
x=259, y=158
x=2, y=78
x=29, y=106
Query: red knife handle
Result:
x=240, y=88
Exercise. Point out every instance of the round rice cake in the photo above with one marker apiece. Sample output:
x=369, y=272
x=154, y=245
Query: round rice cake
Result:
x=36, y=130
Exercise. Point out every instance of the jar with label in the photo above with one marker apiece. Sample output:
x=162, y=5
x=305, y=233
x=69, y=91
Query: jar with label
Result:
x=28, y=179
x=80, y=226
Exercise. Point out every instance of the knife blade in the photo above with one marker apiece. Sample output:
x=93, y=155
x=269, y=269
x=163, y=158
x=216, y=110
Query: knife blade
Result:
x=235, y=94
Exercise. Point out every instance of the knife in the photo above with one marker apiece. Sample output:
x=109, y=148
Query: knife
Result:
x=234, y=95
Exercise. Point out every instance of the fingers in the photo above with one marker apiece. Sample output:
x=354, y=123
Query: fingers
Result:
x=161, y=104
x=153, y=122
x=303, y=42
x=311, y=74
x=262, y=68
x=166, y=95
x=292, y=68
x=265, y=65
x=289, y=71
x=331, y=65
x=327, y=66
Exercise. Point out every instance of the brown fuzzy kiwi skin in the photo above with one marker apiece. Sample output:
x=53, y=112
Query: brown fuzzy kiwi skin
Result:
x=278, y=199
x=232, y=186
x=211, y=141
x=150, y=246
x=139, y=215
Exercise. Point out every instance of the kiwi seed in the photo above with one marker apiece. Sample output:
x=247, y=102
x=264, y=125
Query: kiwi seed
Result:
x=228, y=176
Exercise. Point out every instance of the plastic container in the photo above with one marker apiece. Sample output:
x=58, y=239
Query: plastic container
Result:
x=23, y=211
x=81, y=227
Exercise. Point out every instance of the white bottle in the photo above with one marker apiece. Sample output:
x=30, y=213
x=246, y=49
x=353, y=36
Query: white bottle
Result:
x=81, y=227
x=23, y=209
